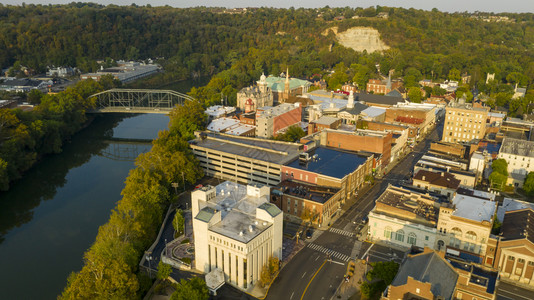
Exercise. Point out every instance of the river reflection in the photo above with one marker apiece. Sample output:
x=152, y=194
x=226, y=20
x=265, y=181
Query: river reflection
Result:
x=51, y=216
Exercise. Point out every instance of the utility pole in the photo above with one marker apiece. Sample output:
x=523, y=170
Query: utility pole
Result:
x=175, y=186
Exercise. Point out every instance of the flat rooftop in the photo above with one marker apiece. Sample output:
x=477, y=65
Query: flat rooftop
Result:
x=509, y=204
x=473, y=208
x=419, y=204
x=517, y=147
x=330, y=162
x=307, y=191
x=238, y=212
x=325, y=120
x=276, y=152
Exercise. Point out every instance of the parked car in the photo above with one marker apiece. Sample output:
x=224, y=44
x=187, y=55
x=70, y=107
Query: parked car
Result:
x=365, y=219
x=309, y=234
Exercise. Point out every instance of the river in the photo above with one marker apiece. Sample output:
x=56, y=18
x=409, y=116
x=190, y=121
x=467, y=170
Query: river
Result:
x=50, y=217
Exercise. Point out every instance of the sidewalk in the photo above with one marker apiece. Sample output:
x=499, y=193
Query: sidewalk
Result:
x=351, y=289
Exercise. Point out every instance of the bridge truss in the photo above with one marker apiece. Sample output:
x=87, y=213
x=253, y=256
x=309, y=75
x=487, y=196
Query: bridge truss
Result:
x=138, y=100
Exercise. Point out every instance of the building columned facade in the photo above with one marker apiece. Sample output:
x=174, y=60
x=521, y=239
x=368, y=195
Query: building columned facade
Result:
x=515, y=252
x=236, y=230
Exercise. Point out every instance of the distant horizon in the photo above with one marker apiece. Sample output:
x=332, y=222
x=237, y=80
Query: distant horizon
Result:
x=451, y=6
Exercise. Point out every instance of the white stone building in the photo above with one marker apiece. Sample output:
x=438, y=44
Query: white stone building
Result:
x=236, y=230
x=466, y=223
x=404, y=218
x=519, y=154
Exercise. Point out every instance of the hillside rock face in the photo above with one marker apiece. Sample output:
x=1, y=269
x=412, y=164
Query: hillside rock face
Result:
x=360, y=38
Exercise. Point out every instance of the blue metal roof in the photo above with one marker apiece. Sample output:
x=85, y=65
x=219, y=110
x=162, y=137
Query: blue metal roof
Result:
x=330, y=162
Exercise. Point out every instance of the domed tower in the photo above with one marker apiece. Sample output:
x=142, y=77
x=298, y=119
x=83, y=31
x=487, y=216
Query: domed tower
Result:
x=262, y=84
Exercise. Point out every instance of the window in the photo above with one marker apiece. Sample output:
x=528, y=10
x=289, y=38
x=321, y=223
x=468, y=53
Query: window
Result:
x=511, y=258
x=456, y=232
x=470, y=235
x=387, y=232
x=399, y=235
x=520, y=261
x=412, y=238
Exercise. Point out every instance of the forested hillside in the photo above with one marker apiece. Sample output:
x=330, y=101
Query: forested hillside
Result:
x=207, y=41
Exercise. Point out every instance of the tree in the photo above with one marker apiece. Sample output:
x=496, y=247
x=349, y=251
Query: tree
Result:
x=500, y=166
x=528, y=186
x=415, y=94
x=269, y=270
x=178, y=221
x=187, y=118
x=454, y=74
x=164, y=271
x=34, y=96
x=438, y=91
x=194, y=289
x=339, y=77
x=499, y=174
x=292, y=134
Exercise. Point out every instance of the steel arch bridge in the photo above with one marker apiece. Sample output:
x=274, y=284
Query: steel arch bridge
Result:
x=137, y=101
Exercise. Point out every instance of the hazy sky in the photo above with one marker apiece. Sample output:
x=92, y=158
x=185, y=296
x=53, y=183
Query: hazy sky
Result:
x=443, y=5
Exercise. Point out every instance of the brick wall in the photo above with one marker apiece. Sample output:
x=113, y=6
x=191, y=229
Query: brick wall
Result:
x=352, y=142
x=392, y=114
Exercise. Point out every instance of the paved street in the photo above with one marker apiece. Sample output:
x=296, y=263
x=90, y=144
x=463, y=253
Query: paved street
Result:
x=506, y=291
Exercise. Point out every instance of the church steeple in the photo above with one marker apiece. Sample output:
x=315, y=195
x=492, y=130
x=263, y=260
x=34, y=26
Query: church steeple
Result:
x=286, y=87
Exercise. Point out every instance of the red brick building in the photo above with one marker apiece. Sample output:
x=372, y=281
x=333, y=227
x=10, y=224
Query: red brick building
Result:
x=307, y=201
x=362, y=140
x=329, y=167
x=377, y=86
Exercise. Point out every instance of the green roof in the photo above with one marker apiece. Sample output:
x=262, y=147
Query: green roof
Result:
x=205, y=214
x=272, y=209
x=278, y=83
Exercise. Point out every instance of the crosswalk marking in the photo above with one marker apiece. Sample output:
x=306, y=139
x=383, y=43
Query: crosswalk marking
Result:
x=342, y=232
x=330, y=252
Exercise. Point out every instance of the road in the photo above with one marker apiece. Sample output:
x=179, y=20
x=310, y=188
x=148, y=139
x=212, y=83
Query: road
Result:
x=506, y=291
x=317, y=270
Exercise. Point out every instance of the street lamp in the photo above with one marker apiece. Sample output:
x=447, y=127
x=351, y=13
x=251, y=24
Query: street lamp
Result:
x=149, y=258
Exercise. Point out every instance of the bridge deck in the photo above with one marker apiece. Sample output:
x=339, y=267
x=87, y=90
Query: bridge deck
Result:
x=131, y=110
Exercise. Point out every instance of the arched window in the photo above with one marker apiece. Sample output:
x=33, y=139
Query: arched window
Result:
x=470, y=235
x=387, y=232
x=412, y=238
x=457, y=232
x=399, y=235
